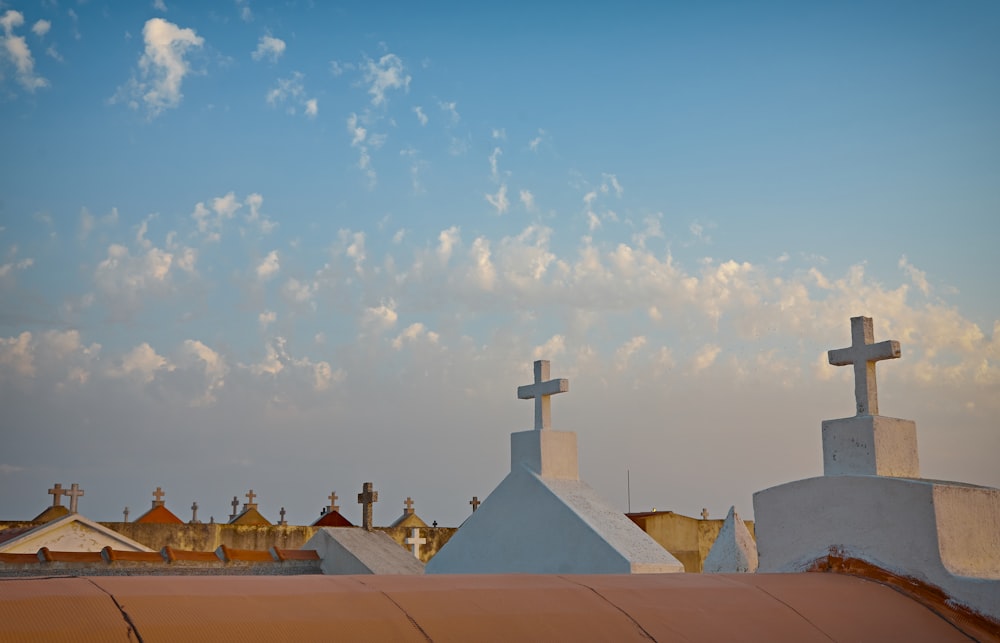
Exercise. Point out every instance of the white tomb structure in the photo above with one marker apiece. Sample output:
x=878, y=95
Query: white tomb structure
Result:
x=352, y=550
x=734, y=550
x=871, y=505
x=542, y=518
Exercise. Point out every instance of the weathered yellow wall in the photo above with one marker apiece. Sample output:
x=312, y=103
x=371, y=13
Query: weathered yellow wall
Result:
x=688, y=539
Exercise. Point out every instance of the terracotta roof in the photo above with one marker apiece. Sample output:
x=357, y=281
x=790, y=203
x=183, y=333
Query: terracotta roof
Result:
x=19, y=559
x=689, y=607
x=70, y=556
x=332, y=519
x=160, y=514
x=174, y=555
x=229, y=555
x=112, y=555
x=294, y=554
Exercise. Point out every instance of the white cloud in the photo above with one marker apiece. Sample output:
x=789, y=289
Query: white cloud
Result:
x=625, y=352
x=15, y=49
x=41, y=27
x=359, y=136
x=705, y=356
x=269, y=47
x=123, y=279
x=383, y=75
x=269, y=267
x=554, y=347
x=415, y=333
x=499, y=200
x=299, y=292
x=447, y=240
x=162, y=67
x=18, y=354
x=290, y=93
x=160, y=5
x=534, y=143
x=499, y=134
x=419, y=111
x=262, y=222
x=527, y=200
x=380, y=318
x=213, y=365
x=918, y=277
x=483, y=274
x=266, y=318
x=451, y=109
x=141, y=363
x=246, y=15
x=494, y=161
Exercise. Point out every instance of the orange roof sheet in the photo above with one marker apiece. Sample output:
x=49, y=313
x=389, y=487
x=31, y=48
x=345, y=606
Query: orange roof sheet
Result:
x=160, y=514
x=690, y=607
x=332, y=519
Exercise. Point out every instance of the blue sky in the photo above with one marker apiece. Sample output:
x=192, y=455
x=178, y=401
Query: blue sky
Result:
x=298, y=248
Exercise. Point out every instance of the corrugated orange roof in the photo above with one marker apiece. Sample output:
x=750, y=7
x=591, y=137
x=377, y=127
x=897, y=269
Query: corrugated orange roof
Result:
x=688, y=607
x=160, y=514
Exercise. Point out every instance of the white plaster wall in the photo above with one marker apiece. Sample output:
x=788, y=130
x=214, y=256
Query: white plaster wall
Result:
x=870, y=445
x=70, y=533
x=892, y=523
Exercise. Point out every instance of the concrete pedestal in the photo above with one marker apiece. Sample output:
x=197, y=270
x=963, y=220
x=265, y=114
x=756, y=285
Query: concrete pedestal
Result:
x=870, y=445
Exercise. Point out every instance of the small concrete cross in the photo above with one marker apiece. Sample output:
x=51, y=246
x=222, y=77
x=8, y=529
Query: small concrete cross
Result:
x=57, y=492
x=409, y=506
x=704, y=513
x=282, y=522
x=333, y=503
x=367, y=498
x=126, y=514
x=250, y=496
x=475, y=503
x=74, y=494
x=540, y=391
x=158, y=494
x=863, y=353
x=416, y=541
x=235, y=503
x=194, y=513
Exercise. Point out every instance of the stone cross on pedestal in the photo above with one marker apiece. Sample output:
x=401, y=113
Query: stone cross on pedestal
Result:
x=416, y=541
x=540, y=391
x=194, y=513
x=475, y=503
x=125, y=513
x=57, y=492
x=333, y=503
x=863, y=353
x=251, y=504
x=235, y=503
x=158, y=495
x=367, y=498
x=408, y=510
x=704, y=513
x=74, y=493
x=282, y=522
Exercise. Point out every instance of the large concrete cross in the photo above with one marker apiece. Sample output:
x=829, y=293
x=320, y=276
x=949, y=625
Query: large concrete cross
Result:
x=475, y=503
x=863, y=353
x=416, y=541
x=540, y=391
x=158, y=494
x=367, y=498
x=74, y=493
x=333, y=502
x=409, y=506
x=235, y=503
x=57, y=492
x=194, y=513
x=250, y=496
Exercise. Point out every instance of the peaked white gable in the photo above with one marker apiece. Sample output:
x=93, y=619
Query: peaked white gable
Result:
x=72, y=532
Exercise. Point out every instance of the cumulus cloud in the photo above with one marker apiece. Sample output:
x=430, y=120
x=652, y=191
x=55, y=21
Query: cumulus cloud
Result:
x=41, y=27
x=450, y=108
x=269, y=47
x=290, y=93
x=266, y=318
x=359, y=140
x=269, y=266
x=162, y=68
x=527, y=200
x=421, y=116
x=415, y=333
x=383, y=75
x=14, y=50
x=380, y=318
x=142, y=363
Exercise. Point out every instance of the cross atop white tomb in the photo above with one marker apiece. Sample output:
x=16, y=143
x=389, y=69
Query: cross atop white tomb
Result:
x=863, y=353
x=540, y=391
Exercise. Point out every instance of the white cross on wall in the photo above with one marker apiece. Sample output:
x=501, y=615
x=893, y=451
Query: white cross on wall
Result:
x=540, y=391
x=74, y=493
x=863, y=353
x=416, y=541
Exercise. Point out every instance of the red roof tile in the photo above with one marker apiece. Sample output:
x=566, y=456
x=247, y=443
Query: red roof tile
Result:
x=160, y=514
